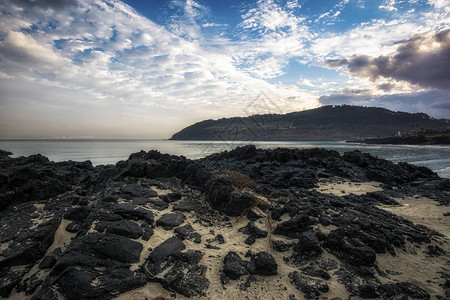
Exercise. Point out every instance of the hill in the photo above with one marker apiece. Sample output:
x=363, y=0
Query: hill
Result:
x=323, y=123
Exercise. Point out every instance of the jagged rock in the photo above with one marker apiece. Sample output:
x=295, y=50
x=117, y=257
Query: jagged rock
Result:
x=264, y=264
x=133, y=212
x=234, y=267
x=312, y=288
x=10, y=277
x=253, y=230
x=89, y=248
x=27, y=246
x=188, y=205
x=73, y=227
x=171, y=197
x=160, y=254
x=112, y=201
x=35, y=178
x=292, y=227
x=361, y=256
x=316, y=271
x=281, y=246
x=153, y=203
x=222, y=196
x=403, y=290
x=434, y=251
x=253, y=216
x=186, y=276
x=250, y=279
x=170, y=220
x=137, y=167
x=30, y=284
x=147, y=231
x=133, y=190
x=250, y=240
x=125, y=228
x=78, y=213
x=48, y=262
x=308, y=244
x=187, y=232
x=4, y=154
x=79, y=283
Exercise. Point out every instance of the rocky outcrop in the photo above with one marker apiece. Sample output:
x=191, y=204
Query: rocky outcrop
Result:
x=246, y=218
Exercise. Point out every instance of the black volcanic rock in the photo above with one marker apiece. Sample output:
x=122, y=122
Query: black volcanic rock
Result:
x=133, y=212
x=34, y=178
x=169, y=221
x=234, y=267
x=125, y=228
x=106, y=246
x=264, y=264
x=5, y=154
x=311, y=287
x=308, y=244
x=161, y=253
x=223, y=197
x=111, y=212
x=188, y=205
x=253, y=230
x=292, y=227
x=184, y=274
x=77, y=214
x=187, y=232
x=80, y=283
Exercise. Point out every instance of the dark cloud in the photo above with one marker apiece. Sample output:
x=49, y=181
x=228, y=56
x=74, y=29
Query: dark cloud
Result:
x=385, y=87
x=435, y=103
x=422, y=60
x=54, y=4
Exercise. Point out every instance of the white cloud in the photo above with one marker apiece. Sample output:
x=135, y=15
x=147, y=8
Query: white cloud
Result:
x=214, y=25
x=272, y=36
x=110, y=54
x=389, y=5
x=107, y=53
x=23, y=47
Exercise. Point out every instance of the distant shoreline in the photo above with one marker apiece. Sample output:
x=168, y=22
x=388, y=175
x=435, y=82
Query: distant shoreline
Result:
x=443, y=140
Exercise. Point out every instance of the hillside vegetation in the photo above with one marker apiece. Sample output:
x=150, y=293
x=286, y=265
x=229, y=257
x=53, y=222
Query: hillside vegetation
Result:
x=324, y=123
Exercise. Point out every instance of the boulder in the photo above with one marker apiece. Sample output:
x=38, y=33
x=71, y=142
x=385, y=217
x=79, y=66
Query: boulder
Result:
x=234, y=267
x=125, y=228
x=264, y=264
x=308, y=244
x=170, y=220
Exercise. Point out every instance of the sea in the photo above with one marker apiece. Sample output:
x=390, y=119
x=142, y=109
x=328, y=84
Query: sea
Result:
x=101, y=152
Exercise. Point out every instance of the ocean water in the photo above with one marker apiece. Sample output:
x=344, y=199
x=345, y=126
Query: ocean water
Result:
x=101, y=152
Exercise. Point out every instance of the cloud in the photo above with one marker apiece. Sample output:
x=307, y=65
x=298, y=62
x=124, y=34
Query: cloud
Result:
x=116, y=60
x=54, y=4
x=435, y=103
x=23, y=48
x=271, y=35
x=423, y=60
x=389, y=5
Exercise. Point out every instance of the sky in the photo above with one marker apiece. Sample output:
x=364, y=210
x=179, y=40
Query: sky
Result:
x=75, y=69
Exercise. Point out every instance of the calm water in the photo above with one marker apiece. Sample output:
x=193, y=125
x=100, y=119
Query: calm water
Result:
x=100, y=152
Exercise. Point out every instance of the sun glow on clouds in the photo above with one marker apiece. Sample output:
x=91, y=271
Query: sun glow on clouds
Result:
x=78, y=57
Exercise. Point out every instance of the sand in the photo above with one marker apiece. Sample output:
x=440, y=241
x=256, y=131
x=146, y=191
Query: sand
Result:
x=423, y=211
x=342, y=187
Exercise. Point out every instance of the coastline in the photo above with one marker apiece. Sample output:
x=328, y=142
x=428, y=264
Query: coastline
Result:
x=254, y=223
x=102, y=153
